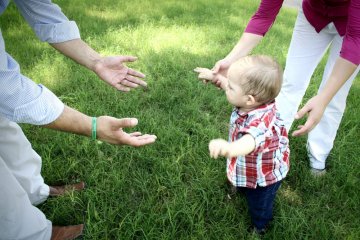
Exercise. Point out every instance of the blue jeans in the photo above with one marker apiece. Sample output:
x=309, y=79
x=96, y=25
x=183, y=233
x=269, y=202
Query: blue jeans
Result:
x=260, y=202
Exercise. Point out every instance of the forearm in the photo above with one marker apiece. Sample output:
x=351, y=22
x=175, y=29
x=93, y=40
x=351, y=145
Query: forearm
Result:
x=341, y=72
x=72, y=121
x=242, y=146
x=247, y=42
x=79, y=51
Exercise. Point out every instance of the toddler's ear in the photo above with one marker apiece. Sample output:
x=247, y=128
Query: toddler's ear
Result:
x=250, y=100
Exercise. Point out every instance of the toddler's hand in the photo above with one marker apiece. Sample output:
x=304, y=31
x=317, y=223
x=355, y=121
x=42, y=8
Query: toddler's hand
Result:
x=219, y=147
x=205, y=74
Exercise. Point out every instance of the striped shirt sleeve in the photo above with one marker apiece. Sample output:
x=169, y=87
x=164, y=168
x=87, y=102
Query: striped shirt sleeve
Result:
x=47, y=20
x=22, y=100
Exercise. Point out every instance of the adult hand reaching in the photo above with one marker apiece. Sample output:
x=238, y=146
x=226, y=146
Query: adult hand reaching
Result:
x=113, y=71
x=222, y=66
x=220, y=71
x=315, y=108
x=110, y=129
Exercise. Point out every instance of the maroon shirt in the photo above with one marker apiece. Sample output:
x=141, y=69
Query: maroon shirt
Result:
x=345, y=14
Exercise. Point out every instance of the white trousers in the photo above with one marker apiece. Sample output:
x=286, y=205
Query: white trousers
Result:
x=306, y=50
x=21, y=187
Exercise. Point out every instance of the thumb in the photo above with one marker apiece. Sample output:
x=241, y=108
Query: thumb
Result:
x=126, y=122
x=302, y=112
x=127, y=58
x=216, y=68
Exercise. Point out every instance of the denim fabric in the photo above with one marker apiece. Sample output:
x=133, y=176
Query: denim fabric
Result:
x=260, y=203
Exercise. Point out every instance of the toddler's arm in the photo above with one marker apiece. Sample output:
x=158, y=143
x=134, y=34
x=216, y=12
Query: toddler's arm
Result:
x=241, y=147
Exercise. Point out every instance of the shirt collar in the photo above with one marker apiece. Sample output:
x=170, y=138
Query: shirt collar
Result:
x=262, y=108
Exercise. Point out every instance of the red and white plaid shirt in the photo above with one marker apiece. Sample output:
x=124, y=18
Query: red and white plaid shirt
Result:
x=269, y=162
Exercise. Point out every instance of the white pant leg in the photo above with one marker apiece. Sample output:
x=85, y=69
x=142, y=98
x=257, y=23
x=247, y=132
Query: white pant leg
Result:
x=23, y=162
x=306, y=49
x=19, y=219
x=321, y=138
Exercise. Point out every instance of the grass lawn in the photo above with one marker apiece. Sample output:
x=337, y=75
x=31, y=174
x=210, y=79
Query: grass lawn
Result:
x=172, y=189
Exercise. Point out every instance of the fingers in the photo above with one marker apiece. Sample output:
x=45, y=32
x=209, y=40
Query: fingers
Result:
x=141, y=140
x=135, y=134
x=214, y=149
x=304, y=129
x=300, y=114
x=120, y=87
x=200, y=69
x=135, y=73
x=133, y=82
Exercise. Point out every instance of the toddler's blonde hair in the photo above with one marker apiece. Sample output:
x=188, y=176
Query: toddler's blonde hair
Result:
x=261, y=76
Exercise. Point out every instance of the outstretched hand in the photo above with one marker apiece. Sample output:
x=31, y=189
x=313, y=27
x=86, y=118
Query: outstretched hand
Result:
x=219, y=147
x=205, y=74
x=113, y=71
x=315, y=108
x=110, y=129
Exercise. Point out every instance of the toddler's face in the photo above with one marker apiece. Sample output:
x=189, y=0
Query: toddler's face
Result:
x=234, y=91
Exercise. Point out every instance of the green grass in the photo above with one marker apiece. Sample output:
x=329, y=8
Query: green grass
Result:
x=172, y=189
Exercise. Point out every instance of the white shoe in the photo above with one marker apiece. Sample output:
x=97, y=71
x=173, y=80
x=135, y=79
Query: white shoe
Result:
x=317, y=172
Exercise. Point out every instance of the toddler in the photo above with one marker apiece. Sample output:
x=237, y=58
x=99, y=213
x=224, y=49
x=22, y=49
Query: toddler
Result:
x=258, y=147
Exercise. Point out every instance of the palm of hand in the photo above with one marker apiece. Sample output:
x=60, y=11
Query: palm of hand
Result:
x=114, y=75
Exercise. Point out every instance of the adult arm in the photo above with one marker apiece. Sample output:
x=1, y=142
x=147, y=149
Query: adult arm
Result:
x=344, y=67
x=52, y=26
x=256, y=29
x=110, y=69
x=315, y=107
x=109, y=129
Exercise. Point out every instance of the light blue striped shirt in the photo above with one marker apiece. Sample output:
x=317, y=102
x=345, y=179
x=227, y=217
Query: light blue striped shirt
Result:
x=21, y=99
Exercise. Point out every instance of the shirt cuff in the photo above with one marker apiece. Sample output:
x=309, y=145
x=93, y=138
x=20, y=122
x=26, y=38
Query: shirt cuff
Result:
x=43, y=110
x=57, y=32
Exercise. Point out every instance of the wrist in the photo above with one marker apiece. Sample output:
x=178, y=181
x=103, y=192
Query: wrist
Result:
x=95, y=63
x=93, y=128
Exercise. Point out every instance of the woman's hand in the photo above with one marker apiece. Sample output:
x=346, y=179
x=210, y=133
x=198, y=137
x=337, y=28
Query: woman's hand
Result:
x=315, y=108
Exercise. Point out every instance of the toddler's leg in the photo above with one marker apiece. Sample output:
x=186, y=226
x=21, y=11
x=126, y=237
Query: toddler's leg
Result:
x=260, y=202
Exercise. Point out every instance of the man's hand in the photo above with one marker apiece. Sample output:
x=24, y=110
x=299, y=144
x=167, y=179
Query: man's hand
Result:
x=113, y=71
x=219, y=147
x=315, y=108
x=110, y=129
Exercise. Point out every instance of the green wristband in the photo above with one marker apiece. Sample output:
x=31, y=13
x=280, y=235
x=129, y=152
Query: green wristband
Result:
x=93, y=128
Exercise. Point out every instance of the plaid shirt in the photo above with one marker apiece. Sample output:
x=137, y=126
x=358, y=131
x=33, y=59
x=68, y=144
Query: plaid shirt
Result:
x=269, y=162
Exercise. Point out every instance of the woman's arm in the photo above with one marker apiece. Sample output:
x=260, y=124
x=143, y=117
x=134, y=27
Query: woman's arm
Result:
x=315, y=107
x=344, y=67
